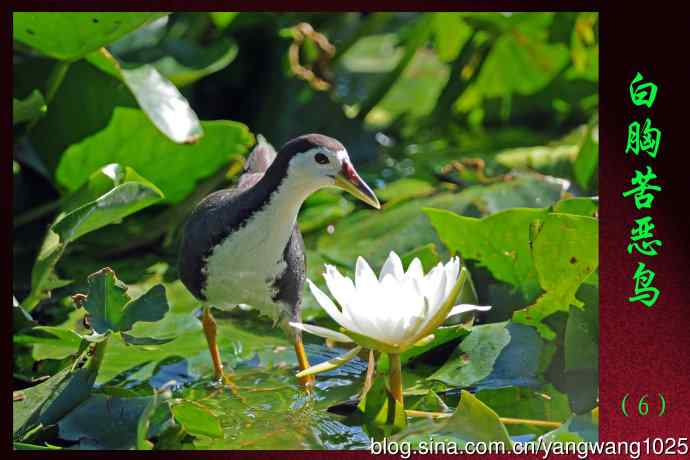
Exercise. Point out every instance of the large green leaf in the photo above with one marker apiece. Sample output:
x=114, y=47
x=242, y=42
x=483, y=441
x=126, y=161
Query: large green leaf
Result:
x=383, y=414
x=111, y=309
x=499, y=242
x=50, y=342
x=49, y=401
x=475, y=356
x=69, y=36
x=131, y=140
x=565, y=251
x=520, y=49
x=404, y=228
x=545, y=403
x=472, y=421
x=196, y=419
x=109, y=208
x=162, y=102
x=183, y=62
x=104, y=422
x=108, y=195
x=475, y=421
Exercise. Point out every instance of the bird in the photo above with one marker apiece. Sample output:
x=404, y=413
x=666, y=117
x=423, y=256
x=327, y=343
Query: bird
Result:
x=242, y=246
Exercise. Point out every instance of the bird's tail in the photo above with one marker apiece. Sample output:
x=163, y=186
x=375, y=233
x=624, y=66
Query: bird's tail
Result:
x=261, y=157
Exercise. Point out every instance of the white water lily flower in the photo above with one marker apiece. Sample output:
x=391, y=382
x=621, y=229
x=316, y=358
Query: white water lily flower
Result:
x=391, y=312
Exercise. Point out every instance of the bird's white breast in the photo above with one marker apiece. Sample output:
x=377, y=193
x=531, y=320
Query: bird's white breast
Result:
x=242, y=269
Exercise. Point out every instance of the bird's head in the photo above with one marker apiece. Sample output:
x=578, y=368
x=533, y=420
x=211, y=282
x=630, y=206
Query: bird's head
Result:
x=320, y=161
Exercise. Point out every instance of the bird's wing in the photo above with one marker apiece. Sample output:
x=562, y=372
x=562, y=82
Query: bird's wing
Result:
x=257, y=163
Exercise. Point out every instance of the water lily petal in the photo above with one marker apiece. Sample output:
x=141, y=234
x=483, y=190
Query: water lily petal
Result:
x=465, y=307
x=392, y=266
x=328, y=305
x=452, y=271
x=322, y=332
x=341, y=287
x=415, y=270
x=365, y=279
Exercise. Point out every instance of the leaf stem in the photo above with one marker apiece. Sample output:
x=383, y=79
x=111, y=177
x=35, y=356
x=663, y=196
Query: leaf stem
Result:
x=504, y=420
x=395, y=376
x=97, y=356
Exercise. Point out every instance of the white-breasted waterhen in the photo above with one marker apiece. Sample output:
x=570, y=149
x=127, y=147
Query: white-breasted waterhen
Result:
x=242, y=246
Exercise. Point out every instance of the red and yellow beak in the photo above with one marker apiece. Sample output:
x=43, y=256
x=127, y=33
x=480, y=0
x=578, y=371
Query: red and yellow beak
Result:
x=348, y=180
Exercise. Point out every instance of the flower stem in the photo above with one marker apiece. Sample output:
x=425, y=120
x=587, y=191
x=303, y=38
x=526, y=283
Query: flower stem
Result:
x=395, y=376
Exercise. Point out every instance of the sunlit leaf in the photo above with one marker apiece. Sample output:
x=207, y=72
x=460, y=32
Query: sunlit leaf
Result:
x=50, y=342
x=565, y=251
x=112, y=207
x=129, y=130
x=69, y=36
x=162, y=102
x=111, y=309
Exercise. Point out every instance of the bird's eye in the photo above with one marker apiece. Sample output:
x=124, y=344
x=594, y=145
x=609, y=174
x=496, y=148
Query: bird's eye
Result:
x=321, y=159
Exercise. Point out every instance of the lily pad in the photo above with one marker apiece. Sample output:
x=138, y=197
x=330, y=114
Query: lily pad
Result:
x=565, y=250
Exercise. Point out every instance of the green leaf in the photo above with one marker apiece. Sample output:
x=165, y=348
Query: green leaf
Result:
x=222, y=19
x=129, y=129
x=165, y=106
x=49, y=401
x=104, y=422
x=440, y=336
x=29, y=108
x=555, y=160
x=196, y=419
x=183, y=62
x=112, y=207
x=90, y=207
x=587, y=162
x=475, y=357
x=69, y=36
x=21, y=319
x=403, y=190
x=580, y=206
x=150, y=307
x=105, y=301
x=582, y=332
x=499, y=242
x=111, y=309
x=132, y=340
x=319, y=214
x=404, y=228
x=382, y=413
x=565, y=250
x=43, y=277
x=50, y=342
x=427, y=255
x=578, y=428
x=521, y=48
x=27, y=446
x=450, y=33
x=546, y=403
x=475, y=421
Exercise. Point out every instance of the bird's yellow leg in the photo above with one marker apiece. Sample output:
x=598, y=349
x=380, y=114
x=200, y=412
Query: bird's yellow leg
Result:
x=210, y=331
x=303, y=362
